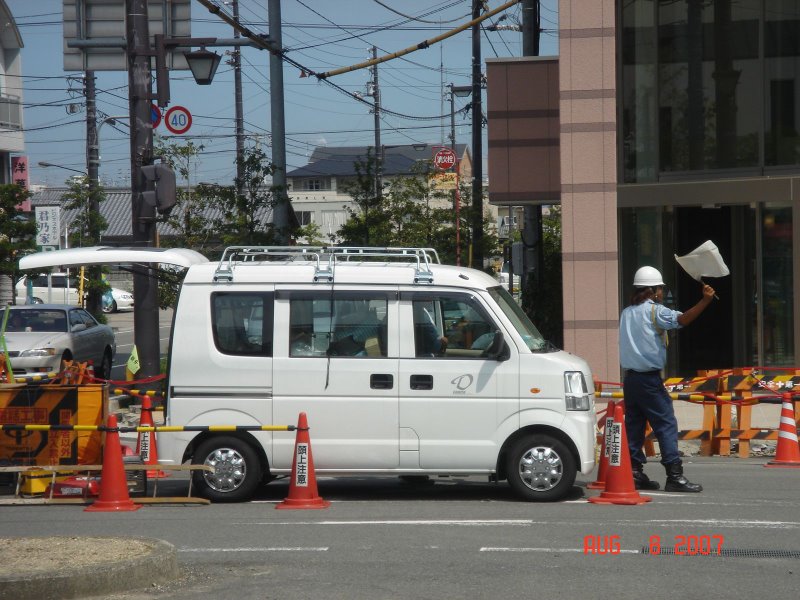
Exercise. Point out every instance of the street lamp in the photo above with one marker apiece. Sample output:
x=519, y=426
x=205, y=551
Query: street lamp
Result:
x=46, y=164
x=203, y=64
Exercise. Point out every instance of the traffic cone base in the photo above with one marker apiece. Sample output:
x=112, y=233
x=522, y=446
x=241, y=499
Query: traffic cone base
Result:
x=303, y=485
x=787, y=453
x=114, y=495
x=620, y=488
x=146, y=446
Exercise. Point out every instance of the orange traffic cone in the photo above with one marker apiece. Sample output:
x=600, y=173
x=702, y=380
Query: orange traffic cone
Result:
x=114, y=494
x=146, y=446
x=303, y=487
x=620, y=488
x=600, y=482
x=787, y=454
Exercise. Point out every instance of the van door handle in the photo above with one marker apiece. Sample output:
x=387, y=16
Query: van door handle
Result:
x=381, y=381
x=422, y=382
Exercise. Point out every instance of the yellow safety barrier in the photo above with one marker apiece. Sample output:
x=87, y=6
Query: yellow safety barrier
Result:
x=724, y=393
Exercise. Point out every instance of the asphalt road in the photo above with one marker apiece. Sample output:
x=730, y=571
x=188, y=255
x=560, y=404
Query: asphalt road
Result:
x=382, y=538
x=122, y=324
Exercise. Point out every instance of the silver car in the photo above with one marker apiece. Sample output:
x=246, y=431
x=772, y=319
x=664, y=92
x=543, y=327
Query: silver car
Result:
x=40, y=336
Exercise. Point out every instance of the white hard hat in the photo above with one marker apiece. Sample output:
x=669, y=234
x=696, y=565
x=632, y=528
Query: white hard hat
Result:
x=647, y=277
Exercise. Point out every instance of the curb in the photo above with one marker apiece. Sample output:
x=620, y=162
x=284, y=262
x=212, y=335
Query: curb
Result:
x=156, y=564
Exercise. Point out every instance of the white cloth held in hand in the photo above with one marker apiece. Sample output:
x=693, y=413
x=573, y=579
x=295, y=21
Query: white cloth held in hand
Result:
x=703, y=261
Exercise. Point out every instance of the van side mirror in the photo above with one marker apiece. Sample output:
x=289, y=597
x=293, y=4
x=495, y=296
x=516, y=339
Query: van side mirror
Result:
x=497, y=349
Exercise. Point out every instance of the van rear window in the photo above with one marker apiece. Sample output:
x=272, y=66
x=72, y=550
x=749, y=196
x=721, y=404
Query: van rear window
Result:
x=242, y=322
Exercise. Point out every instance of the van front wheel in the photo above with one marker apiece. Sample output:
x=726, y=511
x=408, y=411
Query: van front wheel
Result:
x=236, y=473
x=541, y=468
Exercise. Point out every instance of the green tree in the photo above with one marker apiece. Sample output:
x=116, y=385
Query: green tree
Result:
x=365, y=225
x=244, y=215
x=543, y=303
x=86, y=229
x=189, y=217
x=17, y=236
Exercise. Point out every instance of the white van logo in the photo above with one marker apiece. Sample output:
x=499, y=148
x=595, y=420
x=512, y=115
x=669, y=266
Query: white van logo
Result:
x=462, y=382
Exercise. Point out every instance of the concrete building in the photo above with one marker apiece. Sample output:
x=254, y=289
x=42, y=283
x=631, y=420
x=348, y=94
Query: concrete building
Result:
x=678, y=123
x=12, y=139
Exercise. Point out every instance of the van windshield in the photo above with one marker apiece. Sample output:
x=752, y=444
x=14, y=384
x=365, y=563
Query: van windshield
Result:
x=521, y=322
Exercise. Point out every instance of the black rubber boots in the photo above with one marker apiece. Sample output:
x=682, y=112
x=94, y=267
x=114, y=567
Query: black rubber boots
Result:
x=640, y=480
x=676, y=482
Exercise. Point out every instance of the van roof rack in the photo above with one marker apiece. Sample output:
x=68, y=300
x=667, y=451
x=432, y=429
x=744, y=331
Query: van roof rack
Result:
x=423, y=257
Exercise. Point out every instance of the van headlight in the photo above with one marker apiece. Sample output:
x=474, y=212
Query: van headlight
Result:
x=576, y=393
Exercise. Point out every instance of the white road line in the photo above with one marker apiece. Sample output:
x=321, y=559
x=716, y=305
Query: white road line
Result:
x=265, y=549
x=551, y=550
x=649, y=523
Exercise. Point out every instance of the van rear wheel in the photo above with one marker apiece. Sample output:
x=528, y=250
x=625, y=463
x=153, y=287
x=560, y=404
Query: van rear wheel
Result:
x=237, y=470
x=541, y=468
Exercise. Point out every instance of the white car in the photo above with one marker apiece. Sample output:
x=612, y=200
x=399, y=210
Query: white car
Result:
x=64, y=290
x=117, y=300
x=39, y=337
x=502, y=277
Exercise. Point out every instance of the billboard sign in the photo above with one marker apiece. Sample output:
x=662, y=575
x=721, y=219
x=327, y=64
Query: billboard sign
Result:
x=104, y=21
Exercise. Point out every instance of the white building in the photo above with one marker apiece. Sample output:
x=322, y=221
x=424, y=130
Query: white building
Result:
x=12, y=139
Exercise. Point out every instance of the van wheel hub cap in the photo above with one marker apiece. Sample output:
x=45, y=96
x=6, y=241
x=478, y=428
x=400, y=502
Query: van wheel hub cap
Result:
x=229, y=469
x=540, y=468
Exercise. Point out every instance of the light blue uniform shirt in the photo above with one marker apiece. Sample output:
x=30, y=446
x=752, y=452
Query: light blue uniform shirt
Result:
x=641, y=345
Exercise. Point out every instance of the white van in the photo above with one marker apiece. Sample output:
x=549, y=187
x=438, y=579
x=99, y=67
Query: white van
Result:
x=404, y=366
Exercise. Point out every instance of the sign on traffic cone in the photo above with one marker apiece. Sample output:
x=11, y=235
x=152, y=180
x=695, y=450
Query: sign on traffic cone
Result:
x=787, y=454
x=620, y=488
x=600, y=482
x=303, y=486
x=114, y=495
x=146, y=446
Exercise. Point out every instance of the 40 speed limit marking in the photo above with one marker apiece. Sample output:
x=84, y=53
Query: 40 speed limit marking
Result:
x=178, y=120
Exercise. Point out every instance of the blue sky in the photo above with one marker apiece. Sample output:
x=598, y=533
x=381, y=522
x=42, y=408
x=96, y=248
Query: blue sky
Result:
x=321, y=35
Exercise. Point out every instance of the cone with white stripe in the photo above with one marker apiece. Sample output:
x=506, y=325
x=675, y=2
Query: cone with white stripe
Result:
x=787, y=454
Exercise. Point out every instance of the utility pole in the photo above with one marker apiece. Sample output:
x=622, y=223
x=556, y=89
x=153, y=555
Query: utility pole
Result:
x=237, y=89
x=145, y=286
x=532, y=246
x=456, y=200
x=379, y=157
x=93, y=299
x=280, y=214
x=476, y=254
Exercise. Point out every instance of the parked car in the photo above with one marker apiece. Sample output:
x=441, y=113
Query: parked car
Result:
x=64, y=290
x=502, y=277
x=116, y=300
x=40, y=336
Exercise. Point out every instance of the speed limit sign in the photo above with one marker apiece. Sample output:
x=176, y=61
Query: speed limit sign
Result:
x=178, y=120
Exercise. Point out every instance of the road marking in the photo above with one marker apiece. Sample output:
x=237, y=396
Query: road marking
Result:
x=649, y=523
x=551, y=550
x=265, y=549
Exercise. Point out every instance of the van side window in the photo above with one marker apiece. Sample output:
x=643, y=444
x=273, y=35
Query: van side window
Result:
x=451, y=326
x=242, y=322
x=352, y=324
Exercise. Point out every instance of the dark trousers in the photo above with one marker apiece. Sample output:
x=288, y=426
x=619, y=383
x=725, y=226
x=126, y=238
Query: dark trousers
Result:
x=647, y=400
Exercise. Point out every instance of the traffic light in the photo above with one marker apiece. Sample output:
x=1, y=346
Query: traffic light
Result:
x=160, y=187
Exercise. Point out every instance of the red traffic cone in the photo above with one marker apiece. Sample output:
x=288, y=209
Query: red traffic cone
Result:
x=303, y=487
x=146, y=446
x=620, y=488
x=114, y=494
x=787, y=454
x=600, y=482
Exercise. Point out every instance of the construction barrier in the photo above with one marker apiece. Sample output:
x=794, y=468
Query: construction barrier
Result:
x=140, y=429
x=725, y=395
